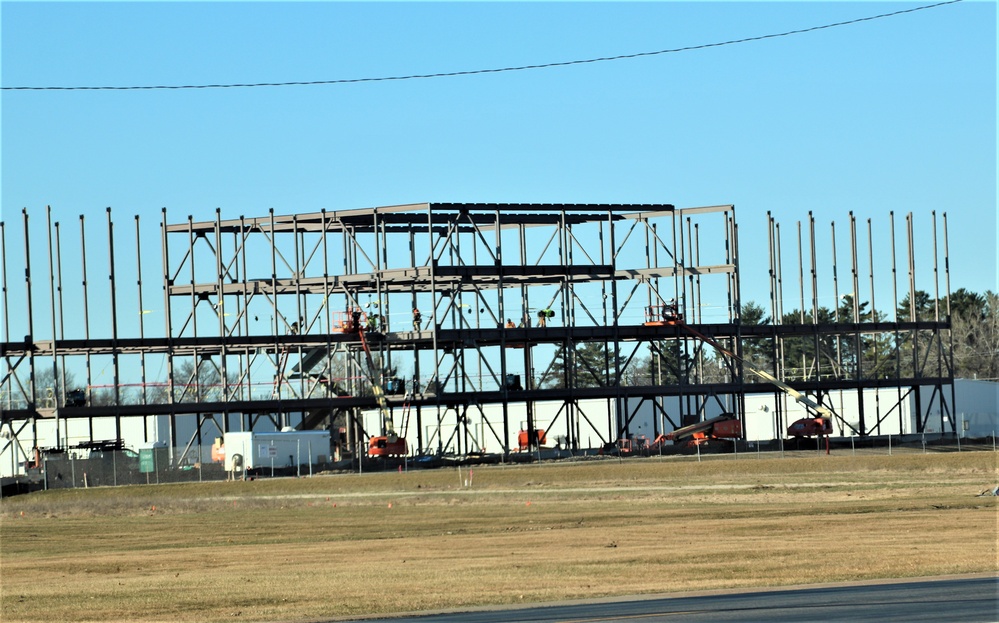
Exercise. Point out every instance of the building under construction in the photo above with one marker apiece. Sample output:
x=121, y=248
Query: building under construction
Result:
x=454, y=321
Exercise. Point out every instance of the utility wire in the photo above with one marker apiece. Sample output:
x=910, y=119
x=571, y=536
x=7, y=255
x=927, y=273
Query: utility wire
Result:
x=474, y=72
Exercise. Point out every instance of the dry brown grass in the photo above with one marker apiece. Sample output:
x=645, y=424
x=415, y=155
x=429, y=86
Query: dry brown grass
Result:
x=346, y=545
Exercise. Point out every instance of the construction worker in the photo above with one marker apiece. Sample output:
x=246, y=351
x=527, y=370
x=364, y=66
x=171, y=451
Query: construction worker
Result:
x=372, y=322
x=509, y=324
x=417, y=319
x=670, y=311
x=543, y=317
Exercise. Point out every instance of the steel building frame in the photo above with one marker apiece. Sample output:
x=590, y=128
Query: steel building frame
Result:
x=253, y=310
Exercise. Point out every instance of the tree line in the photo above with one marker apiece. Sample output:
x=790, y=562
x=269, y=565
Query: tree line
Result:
x=972, y=344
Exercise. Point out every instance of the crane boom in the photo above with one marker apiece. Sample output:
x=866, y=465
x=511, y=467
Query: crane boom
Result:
x=763, y=374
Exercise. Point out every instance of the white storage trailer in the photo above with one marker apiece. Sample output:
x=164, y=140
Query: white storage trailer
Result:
x=256, y=450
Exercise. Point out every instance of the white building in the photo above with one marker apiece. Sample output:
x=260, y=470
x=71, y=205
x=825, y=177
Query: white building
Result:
x=479, y=428
x=977, y=403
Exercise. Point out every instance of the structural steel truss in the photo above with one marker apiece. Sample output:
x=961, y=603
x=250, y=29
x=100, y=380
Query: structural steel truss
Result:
x=464, y=297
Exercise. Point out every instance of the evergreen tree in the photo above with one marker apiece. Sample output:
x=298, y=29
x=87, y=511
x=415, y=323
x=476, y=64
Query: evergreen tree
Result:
x=975, y=327
x=591, y=364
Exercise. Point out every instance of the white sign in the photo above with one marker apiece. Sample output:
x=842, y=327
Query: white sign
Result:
x=266, y=451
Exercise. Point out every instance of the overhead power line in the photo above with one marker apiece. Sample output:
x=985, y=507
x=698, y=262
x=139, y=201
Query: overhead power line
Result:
x=474, y=72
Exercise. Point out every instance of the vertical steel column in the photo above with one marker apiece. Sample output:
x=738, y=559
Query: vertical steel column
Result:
x=246, y=359
x=698, y=302
x=916, y=371
x=220, y=310
x=114, y=325
x=3, y=276
x=815, y=296
x=937, y=337
x=278, y=355
x=383, y=304
x=679, y=347
x=874, y=335
x=86, y=314
x=875, y=364
x=936, y=272
x=894, y=291
x=191, y=242
x=299, y=320
x=801, y=301
x=6, y=318
x=142, y=322
x=870, y=261
x=168, y=326
x=735, y=255
x=30, y=337
x=735, y=310
x=568, y=319
x=504, y=369
x=435, y=323
x=691, y=298
x=58, y=391
x=62, y=316
x=775, y=320
x=324, y=310
x=603, y=292
x=655, y=358
x=813, y=269
x=936, y=297
x=142, y=327
x=857, y=343
x=950, y=329
x=690, y=276
x=417, y=329
x=697, y=311
x=771, y=245
x=616, y=310
x=780, y=319
x=836, y=304
x=780, y=275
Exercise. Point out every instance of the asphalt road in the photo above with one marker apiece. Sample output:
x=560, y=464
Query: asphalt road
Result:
x=950, y=600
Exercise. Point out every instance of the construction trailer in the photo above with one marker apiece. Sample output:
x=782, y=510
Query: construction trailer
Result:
x=254, y=450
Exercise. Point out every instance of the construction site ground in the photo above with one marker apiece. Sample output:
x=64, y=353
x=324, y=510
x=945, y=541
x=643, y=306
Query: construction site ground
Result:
x=346, y=545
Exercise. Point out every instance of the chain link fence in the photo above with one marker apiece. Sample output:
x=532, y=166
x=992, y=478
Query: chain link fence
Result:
x=106, y=468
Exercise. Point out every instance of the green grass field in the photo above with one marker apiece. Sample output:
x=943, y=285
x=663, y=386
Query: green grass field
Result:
x=339, y=546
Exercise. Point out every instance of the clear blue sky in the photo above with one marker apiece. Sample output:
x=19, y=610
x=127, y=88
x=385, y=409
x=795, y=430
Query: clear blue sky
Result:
x=895, y=114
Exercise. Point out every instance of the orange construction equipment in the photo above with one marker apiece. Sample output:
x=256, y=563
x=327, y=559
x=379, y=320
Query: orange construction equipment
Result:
x=666, y=314
x=629, y=446
x=524, y=440
x=387, y=446
x=824, y=417
x=810, y=427
x=725, y=426
x=350, y=321
x=354, y=320
x=218, y=451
